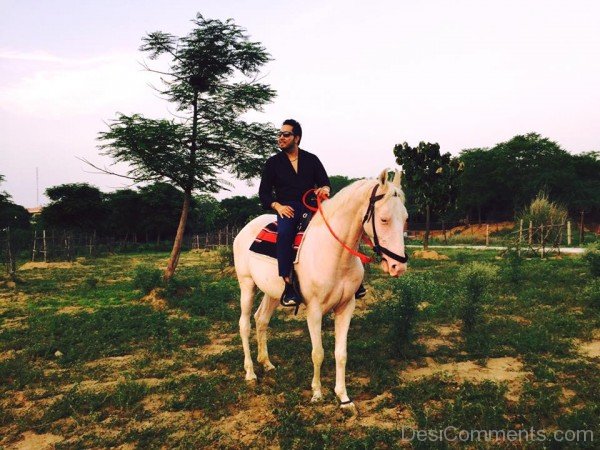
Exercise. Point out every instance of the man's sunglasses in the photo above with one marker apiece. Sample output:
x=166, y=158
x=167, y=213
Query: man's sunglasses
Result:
x=285, y=134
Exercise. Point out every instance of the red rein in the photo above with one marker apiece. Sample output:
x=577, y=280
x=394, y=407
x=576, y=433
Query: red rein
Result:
x=364, y=258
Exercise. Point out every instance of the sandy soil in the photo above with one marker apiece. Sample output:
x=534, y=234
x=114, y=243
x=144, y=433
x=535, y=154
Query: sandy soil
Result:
x=32, y=441
x=49, y=265
x=507, y=369
x=428, y=254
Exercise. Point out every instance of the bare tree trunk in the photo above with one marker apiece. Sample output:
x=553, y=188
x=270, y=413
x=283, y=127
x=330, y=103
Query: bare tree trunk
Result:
x=426, y=237
x=176, y=251
x=187, y=194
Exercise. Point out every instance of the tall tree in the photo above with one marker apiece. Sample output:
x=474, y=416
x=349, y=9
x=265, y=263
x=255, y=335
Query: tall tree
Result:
x=11, y=214
x=124, y=208
x=431, y=177
x=212, y=213
x=75, y=206
x=238, y=210
x=338, y=182
x=160, y=208
x=478, y=188
x=212, y=81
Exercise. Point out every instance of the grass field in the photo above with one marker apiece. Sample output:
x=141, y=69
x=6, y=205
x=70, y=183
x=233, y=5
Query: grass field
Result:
x=87, y=360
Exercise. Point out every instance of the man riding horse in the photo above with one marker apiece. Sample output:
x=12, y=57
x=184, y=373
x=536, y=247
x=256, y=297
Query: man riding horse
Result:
x=285, y=178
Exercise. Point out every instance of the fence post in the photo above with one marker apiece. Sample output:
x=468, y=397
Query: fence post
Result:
x=487, y=234
x=12, y=264
x=520, y=237
x=569, y=236
x=530, y=233
x=542, y=240
x=45, y=247
x=34, y=242
x=581, y=230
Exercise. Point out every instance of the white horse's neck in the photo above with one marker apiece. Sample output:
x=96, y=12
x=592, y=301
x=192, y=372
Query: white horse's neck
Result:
x=344, y=213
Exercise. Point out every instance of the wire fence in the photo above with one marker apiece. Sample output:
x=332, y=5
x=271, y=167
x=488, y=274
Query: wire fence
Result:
x=55, y=245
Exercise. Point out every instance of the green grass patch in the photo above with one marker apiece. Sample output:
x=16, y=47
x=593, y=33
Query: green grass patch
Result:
x=115, y=331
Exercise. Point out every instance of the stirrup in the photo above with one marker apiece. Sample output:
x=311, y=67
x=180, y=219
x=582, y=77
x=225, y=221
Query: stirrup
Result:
x=361, y=292
x=295, y=299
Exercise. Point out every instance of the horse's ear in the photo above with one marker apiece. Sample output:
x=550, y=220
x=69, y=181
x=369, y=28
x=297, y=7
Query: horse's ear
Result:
x=397, y=178
x=383, y=177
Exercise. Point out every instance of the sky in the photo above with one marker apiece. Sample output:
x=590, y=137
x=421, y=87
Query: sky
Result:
x=359, y=76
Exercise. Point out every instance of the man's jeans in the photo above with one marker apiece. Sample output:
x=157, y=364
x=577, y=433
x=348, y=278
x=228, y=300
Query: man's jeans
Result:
x=286, y=232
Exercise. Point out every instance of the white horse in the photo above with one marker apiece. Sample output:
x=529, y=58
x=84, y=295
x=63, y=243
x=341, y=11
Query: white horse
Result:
x=329, y=275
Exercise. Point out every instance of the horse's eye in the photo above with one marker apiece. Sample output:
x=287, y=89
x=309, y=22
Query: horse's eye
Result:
x=384, y=220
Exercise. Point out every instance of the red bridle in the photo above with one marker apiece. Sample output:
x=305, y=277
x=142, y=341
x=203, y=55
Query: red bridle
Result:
x=364, y=258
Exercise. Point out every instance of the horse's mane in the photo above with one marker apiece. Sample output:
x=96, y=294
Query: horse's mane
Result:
x=358, y=189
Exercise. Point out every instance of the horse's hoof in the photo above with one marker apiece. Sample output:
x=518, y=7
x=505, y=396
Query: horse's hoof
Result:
x=268, y=367
x=317, y=398
x=251, y=378
x=349, y=409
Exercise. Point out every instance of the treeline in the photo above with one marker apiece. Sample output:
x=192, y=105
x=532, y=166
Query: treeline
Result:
x=497, y=183
x=494, y=184
x=150, y=213
x=147, y=214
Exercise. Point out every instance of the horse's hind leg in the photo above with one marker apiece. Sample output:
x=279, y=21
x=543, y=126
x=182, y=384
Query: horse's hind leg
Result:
x=262, y=316
x=246, y=297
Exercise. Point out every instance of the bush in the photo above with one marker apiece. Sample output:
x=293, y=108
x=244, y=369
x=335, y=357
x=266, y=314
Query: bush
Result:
x=591, y=293
x=146, y=278
x=475, y=279
x=547, y=219
x=592, y=257
x=91, y=282
x=513, y=268
x=402, y=311
x=225, y=253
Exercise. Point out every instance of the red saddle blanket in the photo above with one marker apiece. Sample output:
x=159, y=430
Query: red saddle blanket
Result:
x=265, y=241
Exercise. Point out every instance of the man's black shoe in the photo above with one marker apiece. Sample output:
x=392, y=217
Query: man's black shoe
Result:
x=361, y=292
x=290, y=297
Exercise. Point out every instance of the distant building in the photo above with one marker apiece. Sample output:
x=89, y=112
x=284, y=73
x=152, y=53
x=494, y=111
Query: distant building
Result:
x=35, y=211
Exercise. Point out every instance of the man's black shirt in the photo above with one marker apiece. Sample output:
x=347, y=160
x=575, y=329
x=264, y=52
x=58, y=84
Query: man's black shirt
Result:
x=279, y=176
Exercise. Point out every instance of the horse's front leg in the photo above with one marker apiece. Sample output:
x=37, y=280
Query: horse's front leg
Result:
x=314, y=319
x=262, y=316
x=342, y=323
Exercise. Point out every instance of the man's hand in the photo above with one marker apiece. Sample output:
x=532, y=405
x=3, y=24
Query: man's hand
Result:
x=283, y=210
x=322, y=192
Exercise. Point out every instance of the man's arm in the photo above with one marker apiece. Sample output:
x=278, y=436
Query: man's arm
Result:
x=265, y=190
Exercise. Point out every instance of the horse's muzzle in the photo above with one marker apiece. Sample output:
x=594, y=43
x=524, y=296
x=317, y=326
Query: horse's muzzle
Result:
x=395, y=268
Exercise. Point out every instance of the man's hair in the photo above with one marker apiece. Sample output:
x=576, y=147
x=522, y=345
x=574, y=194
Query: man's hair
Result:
x=296, y=128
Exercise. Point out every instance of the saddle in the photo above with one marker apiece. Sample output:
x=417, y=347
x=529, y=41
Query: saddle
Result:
x=265, y=243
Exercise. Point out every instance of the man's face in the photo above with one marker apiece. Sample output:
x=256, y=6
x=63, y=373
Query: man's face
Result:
x=286, y=140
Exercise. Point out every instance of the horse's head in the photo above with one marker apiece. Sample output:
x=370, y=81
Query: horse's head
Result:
x=384, y=223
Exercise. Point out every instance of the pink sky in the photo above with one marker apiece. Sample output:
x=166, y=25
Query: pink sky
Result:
x=359, y=78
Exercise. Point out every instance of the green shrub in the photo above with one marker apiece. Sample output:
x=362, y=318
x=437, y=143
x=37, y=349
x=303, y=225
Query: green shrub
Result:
x=547, y=219
x=407, y=294
x=176, y=288
x=146, y=278
x=90, y=282
x=592, y=257
x=128, y=394
x=591, y=293
x=210, y=299
x=212, y=394
x=225, y=253
x=513, y=267
x=475, y=280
